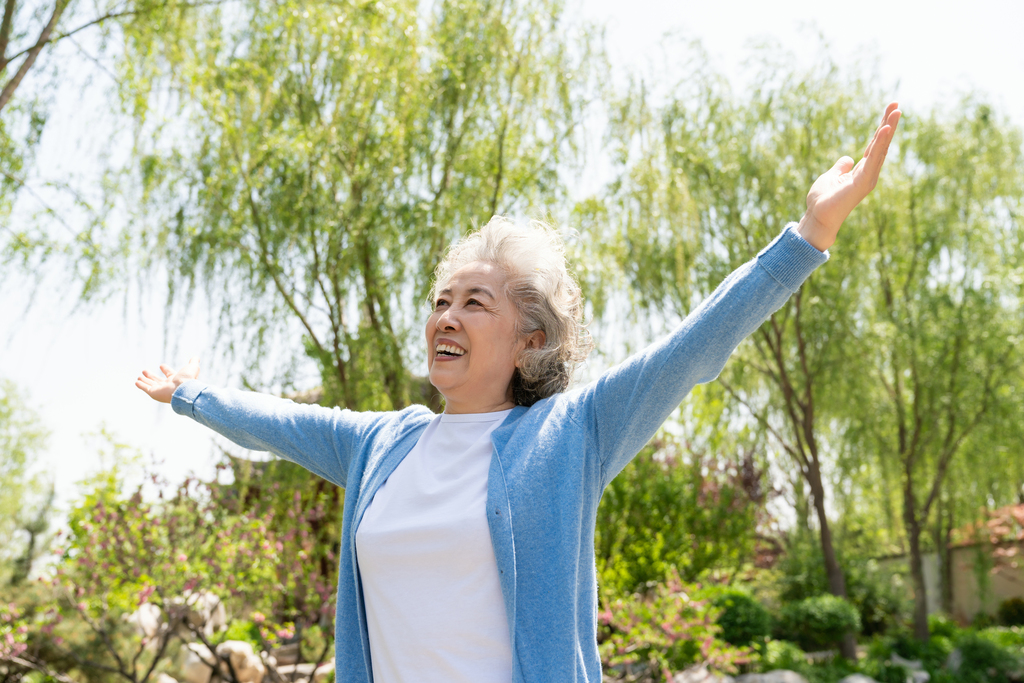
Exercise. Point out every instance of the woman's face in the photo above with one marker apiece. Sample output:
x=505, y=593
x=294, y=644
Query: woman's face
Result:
x=471, y=341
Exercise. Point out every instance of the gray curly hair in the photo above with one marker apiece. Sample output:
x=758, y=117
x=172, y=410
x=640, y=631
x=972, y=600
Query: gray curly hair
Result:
x=546, y=296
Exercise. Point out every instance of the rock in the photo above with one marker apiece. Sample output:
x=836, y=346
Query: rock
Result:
x=919, y=677
x=286, y=670
x=197, y=667
x=164, y=678
x=694, y=674
x=325, y=670
x=205, y=612
x=146, y=620
x=955, y=660
x=247, y=664
x=908, y=664
x=286, y=654
x=857, y=678
x=777, y=676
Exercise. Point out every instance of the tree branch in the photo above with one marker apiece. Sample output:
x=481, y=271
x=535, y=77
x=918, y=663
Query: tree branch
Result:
x=33, y=52
x=5, y=32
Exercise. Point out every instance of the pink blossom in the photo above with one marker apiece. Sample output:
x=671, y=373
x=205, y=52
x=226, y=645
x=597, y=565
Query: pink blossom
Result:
x=258, y=617
x=285, y=633
x=182, y=557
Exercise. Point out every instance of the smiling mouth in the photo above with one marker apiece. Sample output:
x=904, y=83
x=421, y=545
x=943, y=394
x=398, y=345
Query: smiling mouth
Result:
x=449, y=351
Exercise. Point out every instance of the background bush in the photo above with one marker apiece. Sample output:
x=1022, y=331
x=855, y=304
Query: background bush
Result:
x=818, y=622
x=744, y=620
x=1011, y=612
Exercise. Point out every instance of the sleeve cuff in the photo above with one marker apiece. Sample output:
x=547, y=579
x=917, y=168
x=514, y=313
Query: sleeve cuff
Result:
x=185, y=396
x=789, y=259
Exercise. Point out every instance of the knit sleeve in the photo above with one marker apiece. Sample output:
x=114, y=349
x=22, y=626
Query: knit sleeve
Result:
x=322, y=440
x=624, y=408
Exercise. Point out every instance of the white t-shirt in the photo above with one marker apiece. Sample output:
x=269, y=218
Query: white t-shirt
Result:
x=433, y=600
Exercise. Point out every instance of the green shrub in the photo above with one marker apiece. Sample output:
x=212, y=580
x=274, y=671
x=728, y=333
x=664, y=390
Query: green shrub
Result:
x=818, y=622
x=878, y=595
x=884, y=671
x=1011, y=637
x=666, y=629
x=985, y=661
x=743, y=619
x=942, y=625
x=782, y=654
x=1011, y=612
x=246, y=631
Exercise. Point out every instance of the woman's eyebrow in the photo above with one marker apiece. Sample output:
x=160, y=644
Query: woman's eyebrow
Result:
x=479, y=290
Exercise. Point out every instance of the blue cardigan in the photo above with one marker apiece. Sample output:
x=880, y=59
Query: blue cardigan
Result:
x=551, y=463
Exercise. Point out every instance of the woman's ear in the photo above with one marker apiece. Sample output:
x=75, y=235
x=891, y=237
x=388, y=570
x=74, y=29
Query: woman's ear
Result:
x=536, y=339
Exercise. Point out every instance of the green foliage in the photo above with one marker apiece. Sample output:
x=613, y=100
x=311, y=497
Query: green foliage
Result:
x=743, y=620
x=13, y=631
x=782, y=654
x=124, y=552
x=1011, y=612
x=985, y=661
x=24, y=505
x=942, y=625
x=885, y=671
x=322, y=156
x=669, y=510
x=818, y=622
x=664, y=631
x=245, y=631
x=1011, y=637
x=879, y=596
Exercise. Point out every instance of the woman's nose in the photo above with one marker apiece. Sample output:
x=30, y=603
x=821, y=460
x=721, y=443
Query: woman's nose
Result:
x=447, y=321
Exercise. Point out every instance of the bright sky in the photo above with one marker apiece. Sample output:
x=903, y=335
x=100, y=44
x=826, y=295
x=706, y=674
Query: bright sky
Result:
x=78, y=368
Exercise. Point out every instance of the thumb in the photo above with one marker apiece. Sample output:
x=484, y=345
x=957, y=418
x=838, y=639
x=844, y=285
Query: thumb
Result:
x=844, y=165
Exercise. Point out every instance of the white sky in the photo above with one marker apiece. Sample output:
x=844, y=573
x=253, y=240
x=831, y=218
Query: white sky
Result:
x=78, y=368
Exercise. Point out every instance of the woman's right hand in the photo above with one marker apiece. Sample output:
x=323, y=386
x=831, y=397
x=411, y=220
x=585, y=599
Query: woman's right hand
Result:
x=161, y=387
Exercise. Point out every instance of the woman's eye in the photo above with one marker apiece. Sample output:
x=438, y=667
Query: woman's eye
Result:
x=473, y=301
x=439, y=303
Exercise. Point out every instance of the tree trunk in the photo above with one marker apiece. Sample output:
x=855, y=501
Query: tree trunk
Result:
x=916, y=564
x=836, y=580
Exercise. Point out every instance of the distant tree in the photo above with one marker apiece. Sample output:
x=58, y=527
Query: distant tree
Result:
x=25, y=505
x=707, y=178
x=305, y=165
x=684, y=506
x=943, y=319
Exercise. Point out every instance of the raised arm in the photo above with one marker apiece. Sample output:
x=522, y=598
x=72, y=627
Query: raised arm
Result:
x=625, y=407
x=323, y=440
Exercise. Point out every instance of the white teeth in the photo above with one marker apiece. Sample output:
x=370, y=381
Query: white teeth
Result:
x=446, y=348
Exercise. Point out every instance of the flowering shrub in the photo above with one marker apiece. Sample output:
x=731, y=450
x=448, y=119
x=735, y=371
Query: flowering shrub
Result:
x=650, y=637
x=124, y=552
x=12, y=632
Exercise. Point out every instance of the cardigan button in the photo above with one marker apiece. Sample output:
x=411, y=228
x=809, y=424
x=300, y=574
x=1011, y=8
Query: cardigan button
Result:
x=497, y=512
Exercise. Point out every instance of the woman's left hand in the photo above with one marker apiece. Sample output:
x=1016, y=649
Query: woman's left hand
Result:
x=837, y=191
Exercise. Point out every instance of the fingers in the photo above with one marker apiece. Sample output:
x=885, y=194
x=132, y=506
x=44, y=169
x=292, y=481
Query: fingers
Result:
x=874, y=156
x=893, y=106
x=166, y=369
x=890, y=118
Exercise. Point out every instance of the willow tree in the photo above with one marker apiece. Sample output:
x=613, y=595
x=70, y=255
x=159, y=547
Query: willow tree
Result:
x=24, y=506
x=707, y=179
x=306, y=164
x=945, y=311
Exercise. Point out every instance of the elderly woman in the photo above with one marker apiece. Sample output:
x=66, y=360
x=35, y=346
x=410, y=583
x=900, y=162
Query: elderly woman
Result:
x=468, y=537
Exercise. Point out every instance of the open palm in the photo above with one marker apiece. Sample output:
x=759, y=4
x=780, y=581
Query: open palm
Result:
x=160, y=387
x=837, y=191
